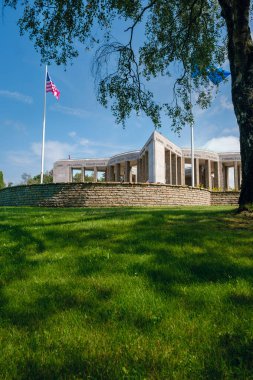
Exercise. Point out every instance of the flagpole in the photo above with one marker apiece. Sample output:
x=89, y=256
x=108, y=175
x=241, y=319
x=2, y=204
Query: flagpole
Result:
x=192, y=154
x=192, y=138
x=43, y=130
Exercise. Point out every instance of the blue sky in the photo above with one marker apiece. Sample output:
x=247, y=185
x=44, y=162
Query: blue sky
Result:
x=77, y=125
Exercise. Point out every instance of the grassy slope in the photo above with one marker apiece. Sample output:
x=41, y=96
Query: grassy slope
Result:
x=126, y=294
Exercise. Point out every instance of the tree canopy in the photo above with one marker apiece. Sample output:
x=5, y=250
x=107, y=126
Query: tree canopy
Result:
x=178, y=36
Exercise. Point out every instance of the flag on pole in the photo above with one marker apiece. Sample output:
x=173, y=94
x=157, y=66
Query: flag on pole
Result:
x=215, y=74
x=51, y=87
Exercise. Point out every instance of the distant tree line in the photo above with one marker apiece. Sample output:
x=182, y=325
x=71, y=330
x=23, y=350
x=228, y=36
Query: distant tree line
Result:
x=27, y=179
x=2, y=184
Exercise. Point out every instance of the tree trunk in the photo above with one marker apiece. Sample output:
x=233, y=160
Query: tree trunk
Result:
x=243, y=103
x=240, y=54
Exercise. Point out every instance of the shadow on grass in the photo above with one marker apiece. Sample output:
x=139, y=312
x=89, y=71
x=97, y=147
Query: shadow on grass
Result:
x=14, y=262
x=181, y=248
x=235, y=352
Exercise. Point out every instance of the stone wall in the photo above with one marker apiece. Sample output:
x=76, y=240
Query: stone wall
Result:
x=102, y=195
x=224, y=198
x=112, y=195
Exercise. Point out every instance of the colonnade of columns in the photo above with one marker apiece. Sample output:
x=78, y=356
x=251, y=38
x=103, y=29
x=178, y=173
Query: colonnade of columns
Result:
x=208, y=173
x=174, y=168
x=83, y=172
x=237, y=175
x=123, y=171
x=115, y=173
x=214, y=174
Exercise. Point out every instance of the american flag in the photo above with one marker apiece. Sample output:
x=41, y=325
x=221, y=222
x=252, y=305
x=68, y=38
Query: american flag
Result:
x=51, y=87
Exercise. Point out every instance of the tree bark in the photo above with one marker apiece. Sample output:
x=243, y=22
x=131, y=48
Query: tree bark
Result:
x=240, y=54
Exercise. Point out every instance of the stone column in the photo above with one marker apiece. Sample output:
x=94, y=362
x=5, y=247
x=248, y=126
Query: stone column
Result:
x=182, y=171
x=179, y=170
x=168, y=166
x=83, y=175
x=236, y=179
x=208, y=179
x=143, y=168
x=111, y=173
x=217, y=182
x=196, y=171
x=70, y=174
x=226, y=177
x=130, y=175
x=117, y=173
x=138, y=170
x=95, y=174
x=146, y=167
x=221, y=175
x=106, y=174
x=127, y=171
x=174, y=168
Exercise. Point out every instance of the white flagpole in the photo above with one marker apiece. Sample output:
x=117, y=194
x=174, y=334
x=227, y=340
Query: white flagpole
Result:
x=192, y=140
x=43, y=130
x=192, y=154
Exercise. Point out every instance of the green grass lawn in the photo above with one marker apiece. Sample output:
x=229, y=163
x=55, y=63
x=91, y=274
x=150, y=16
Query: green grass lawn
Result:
x=130, y=293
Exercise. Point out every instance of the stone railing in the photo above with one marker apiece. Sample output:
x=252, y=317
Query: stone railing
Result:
x=111, y=195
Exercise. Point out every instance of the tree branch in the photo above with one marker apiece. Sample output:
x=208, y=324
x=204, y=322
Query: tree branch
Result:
x=138, y=19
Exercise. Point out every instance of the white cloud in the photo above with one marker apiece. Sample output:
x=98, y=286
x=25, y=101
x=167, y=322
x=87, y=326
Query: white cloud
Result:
x=20, y=158
x=225, y=103
x=108, y=146
x=85, y=142
x=54, y=150
x=16, y=96
x=16, y=125
x=29, y=160
x=230, y=130
x=72, y=134
x=223, y=144
x=78, y=112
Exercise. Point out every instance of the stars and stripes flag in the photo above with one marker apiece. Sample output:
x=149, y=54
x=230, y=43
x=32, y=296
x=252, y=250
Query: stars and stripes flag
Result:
x=51, y=87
